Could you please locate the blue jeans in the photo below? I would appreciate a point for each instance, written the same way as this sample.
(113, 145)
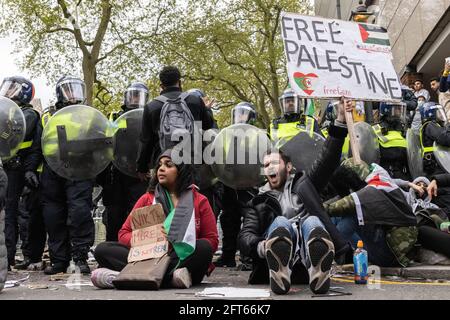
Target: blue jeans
(346, 229)
(374, 239)
(306, 226)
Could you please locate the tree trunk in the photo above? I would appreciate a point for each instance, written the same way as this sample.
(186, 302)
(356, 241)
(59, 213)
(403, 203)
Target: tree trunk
(89, 77)
(272, 63)
(261, 105)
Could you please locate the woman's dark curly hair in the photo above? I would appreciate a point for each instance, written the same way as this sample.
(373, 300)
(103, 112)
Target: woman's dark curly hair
(185, 178)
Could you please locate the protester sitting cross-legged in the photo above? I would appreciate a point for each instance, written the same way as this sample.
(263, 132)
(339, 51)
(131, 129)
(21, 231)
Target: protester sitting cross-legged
(172, 188)
(285, 229)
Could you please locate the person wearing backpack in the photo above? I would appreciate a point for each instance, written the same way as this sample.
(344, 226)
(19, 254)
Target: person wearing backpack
(180, 111)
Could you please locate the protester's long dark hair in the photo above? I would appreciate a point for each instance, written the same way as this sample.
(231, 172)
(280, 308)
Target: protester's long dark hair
(185, 178)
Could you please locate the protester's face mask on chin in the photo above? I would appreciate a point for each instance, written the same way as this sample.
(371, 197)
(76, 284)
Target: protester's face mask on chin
(275, 171)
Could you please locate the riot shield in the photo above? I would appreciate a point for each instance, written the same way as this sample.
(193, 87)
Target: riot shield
(12, 128)
(238, 156)
(126, 141)
(77, 142)
(303, 150)
(369, 148)
(205, 176)
(442, 155)
(414, 152)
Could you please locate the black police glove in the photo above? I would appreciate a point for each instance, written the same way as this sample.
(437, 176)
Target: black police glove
(31, 179)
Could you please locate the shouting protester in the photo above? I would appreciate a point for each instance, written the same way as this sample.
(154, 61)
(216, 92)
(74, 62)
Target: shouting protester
(285, 229)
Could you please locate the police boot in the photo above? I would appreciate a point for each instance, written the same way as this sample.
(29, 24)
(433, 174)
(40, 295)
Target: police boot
(80, 260)
(24, 264)
(55, 268)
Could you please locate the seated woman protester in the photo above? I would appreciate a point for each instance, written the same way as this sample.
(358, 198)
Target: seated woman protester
(171, 187)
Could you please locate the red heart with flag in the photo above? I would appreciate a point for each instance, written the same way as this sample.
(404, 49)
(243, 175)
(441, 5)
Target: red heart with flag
(304, 81)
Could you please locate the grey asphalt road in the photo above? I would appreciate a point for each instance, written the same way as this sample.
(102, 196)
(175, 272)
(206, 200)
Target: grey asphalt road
(76, 287)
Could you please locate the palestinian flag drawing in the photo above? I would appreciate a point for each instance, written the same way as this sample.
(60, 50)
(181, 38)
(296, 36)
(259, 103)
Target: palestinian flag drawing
(372, 34)
(180, 224)
(305, 81)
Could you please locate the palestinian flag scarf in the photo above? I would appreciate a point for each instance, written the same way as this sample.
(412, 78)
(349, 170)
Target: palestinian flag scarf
(180, 221)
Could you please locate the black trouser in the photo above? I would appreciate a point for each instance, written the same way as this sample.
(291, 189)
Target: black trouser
(230, 219)
(435, 240)
(16, 182)
(67, 214)
(114, 256)
(126, 195)
(30, 208)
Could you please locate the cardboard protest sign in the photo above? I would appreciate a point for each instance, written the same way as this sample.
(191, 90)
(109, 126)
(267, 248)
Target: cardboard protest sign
(147, 239)
(334, 58)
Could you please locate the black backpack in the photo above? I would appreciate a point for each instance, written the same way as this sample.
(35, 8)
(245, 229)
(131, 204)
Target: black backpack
(176, 118)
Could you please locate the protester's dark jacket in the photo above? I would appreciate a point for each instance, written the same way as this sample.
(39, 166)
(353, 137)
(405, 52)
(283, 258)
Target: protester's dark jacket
(443, 180)
(150, 148)
(31, 120)
(261, 211)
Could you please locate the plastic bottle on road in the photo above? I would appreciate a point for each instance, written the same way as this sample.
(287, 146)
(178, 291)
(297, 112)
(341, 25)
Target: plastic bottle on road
(360, 262)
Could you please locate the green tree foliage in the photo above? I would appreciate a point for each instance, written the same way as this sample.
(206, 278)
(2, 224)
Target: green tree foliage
(232, 49)
(105, 41)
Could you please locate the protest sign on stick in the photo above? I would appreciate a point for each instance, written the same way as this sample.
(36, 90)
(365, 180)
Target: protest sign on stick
(329, 59)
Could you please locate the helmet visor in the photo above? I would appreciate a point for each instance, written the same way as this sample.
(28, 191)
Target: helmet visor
(290, 104)
(10, 89)
(136, 98)
(398, 112)
(242, 115)
(73, 92)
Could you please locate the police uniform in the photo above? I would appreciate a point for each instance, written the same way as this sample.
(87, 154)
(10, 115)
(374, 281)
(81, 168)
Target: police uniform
(393, 152)
(15, 170)
(431, 132)
(67, 208)
(119, 193)
(288, 126)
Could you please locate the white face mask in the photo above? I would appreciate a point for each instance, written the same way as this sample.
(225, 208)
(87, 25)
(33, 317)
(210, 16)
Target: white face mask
(420, 103)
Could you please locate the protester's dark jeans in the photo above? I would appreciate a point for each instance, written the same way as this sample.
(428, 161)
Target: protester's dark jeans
(346, 228)
(114, 256)
(374, 239)
(435, 240)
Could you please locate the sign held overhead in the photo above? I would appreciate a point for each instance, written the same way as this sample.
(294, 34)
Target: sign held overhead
(334, 58)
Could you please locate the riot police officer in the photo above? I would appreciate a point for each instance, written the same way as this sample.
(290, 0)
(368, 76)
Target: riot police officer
(120, 191)
(435, 128)
(232, 200)
(21, 91)
(66, 204)
(391, 132)
(293, 119)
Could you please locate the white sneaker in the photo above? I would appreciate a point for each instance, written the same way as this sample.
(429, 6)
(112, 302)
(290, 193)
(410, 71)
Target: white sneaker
(321, 254)
(181, 279)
